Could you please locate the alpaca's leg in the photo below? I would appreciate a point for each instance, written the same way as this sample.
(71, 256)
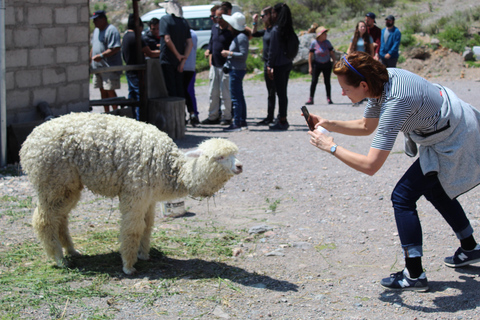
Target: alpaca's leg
(131, 231)
(50, 220)
(64, 232)
(46, 228)
(143, 252)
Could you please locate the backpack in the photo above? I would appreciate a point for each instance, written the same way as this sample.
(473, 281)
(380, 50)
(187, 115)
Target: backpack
(292, 45)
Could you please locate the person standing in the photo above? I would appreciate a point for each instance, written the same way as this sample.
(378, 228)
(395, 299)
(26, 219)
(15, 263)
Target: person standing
(238, 54)
(129, 55)
(436, 119)
(152, 36)
(105, 52)
(189, 82)
(374, 31)
(219, 81)
(320, 61)
(390, 43)
(361, 40)
(267, 19)
(175, 46)
(278, 64)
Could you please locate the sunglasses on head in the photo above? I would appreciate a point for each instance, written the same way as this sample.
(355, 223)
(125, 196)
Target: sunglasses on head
(218, 17)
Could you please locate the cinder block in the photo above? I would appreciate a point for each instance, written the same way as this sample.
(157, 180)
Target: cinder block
(28, 78)
(16, 58)
(69, 93)
(67, 15)
(76, 34)
(26, 38)
(53, 36)
(67, 54)
(47, 94)
(17, 99)
(40, 15)
(42, 57)
(75, 73)
(9, 80)
(53, 75)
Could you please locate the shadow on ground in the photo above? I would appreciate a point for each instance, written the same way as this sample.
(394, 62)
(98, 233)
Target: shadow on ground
(161, 267)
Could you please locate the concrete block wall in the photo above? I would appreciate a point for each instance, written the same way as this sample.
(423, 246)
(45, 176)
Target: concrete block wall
(47, 57)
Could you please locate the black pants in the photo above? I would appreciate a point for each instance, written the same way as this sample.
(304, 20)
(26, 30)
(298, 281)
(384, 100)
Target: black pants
(173, 81)
(280, 79)
(271, 95)
(187, 77)
(318, 68)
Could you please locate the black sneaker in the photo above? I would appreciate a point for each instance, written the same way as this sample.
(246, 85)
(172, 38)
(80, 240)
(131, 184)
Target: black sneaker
(463, 258)
(233, 128)
(264, 122)
(194, 120)
(279, 126)
(402, 281)
(225, 122)
(208, 121)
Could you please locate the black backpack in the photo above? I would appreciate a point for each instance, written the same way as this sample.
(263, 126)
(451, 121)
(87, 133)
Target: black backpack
(292, 44)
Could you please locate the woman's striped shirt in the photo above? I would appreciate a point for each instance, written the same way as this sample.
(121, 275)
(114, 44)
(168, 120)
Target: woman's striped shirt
(408, 103)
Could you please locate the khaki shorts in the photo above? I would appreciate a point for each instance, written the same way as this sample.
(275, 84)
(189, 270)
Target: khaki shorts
(106, 81)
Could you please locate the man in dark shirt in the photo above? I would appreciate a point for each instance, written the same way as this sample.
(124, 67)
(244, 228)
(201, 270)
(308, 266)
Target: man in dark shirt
(219, 81)
(152, 37)
(175, 46)
(374, 31)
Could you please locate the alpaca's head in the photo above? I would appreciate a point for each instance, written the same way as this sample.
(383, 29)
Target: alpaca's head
(210, 166)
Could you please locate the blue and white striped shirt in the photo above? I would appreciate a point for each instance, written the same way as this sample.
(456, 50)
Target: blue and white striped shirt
(408, 103)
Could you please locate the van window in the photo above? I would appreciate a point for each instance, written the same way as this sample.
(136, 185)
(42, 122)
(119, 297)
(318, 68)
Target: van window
(200, 23)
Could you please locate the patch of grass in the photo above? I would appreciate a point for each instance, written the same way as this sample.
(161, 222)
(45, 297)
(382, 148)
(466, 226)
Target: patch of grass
(272, 204)
(15, 207)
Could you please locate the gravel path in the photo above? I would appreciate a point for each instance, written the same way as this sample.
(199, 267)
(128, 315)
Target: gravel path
(333, 232)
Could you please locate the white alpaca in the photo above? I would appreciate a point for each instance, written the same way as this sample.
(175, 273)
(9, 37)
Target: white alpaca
(116, 156)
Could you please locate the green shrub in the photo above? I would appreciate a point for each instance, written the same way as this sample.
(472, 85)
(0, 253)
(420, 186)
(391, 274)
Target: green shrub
(454, 38)
(407, 40)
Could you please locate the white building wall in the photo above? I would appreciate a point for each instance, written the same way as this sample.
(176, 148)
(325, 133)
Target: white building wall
(47, 47)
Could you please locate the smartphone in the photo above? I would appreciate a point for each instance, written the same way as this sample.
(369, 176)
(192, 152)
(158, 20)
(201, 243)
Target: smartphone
(309, 120)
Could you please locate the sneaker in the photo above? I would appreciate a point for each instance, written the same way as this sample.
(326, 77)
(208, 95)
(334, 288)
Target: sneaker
(225, 122)
(233, 128)
(264, 122)
(244, 125)
(280, 126)
(208, 121)
(310, 101)
(402, 281)
(463, 257)
(329, 101)
(194, 120)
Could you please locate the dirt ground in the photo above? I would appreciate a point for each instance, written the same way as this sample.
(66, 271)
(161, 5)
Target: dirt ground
(332, 238)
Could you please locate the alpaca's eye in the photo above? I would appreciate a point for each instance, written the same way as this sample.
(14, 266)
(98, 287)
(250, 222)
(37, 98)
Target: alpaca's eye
(220, 158)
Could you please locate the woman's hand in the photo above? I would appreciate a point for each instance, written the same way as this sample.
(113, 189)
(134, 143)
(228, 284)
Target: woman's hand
(319, 121)
(270, 73)
(225, 53)
(320, 140)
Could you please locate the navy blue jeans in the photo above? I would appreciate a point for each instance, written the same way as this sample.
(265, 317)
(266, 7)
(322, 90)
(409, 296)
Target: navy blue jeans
(134, 91)
(239, 105)
(408, 190)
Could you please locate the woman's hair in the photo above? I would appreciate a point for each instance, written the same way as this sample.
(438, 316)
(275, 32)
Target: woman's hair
(268, 10)
(284, 19)
(360, 66)
(365, 37)
(131, 22)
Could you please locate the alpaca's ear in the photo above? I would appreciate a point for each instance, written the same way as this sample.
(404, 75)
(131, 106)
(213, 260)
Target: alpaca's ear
(194, 154)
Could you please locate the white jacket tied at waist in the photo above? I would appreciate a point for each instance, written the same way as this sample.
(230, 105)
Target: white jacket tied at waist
(454, 151)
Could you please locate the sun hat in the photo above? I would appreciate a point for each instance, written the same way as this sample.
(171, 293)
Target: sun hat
(371, 15)
(236, 20)
(172, 7)
(390, 17)
(320, 30)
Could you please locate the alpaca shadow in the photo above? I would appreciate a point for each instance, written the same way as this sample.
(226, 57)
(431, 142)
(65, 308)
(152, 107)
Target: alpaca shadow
(466, 299)
(162, 267)
(190, 141)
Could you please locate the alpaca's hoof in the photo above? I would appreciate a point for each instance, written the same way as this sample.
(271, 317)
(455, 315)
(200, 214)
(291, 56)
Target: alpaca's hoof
(74, 253)
(129, 271)
(143, 256)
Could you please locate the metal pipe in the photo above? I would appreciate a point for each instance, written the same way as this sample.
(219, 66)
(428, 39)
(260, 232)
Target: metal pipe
(3, 91)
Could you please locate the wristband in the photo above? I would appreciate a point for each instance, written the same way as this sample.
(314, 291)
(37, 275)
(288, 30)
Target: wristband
(102, 56)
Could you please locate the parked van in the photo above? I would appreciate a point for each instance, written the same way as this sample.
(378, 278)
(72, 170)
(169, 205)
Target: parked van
(198, 18)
